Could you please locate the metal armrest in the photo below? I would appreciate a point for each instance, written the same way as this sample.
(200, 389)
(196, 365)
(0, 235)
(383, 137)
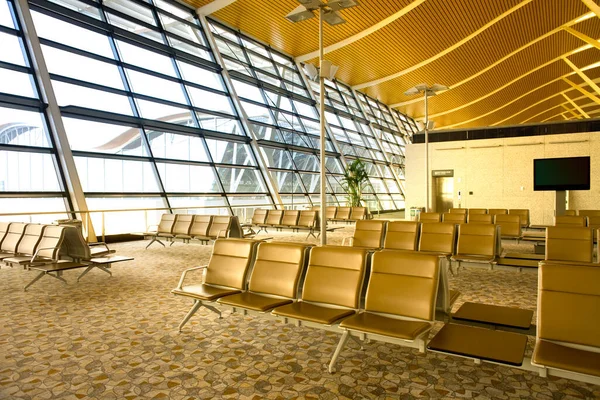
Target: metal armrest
(37, 252)
(99, 244)
(226, 233)
(351, 240)
(148, 230)
(180, 284)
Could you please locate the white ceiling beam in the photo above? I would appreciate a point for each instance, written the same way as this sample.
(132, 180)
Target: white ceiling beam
(506, 57)
(362, 34)
(575, 105)
(443, 52)
(591, 4)
(213, 6)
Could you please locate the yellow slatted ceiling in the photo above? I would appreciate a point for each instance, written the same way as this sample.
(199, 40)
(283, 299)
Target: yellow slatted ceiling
(428, 30)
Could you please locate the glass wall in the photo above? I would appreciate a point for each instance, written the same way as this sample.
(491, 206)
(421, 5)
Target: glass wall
(30, 177)
(145, 108)
(282, 117)
(151, 123)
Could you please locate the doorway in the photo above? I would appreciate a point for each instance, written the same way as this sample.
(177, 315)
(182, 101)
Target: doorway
(444, 193)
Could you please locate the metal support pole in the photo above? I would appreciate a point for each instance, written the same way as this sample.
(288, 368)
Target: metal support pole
(322, 132)
(426, 154)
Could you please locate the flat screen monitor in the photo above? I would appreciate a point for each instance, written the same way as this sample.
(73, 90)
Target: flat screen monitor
(571, 173)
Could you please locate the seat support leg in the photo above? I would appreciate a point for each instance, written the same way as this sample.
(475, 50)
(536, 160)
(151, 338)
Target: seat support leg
(338, 350)
(195, 307)
(37, 278)
(213, 309)
(357, 341)
(155, 239)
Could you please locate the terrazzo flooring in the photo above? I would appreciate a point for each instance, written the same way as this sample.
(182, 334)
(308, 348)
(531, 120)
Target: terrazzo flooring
(116, 338)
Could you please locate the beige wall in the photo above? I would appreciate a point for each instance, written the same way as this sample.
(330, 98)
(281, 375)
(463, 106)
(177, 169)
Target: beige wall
(499, 172)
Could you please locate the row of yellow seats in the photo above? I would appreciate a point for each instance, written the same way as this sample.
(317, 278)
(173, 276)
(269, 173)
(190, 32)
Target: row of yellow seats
(400, 296)
(583, 213)
(459, 216)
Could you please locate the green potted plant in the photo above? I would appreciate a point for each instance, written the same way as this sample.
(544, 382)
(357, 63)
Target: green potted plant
(354, 181)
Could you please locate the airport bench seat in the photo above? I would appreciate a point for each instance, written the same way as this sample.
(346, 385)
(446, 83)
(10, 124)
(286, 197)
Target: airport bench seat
(254, 301)
(386, 326)
(204, 292)
(554, 355)
(313, 313)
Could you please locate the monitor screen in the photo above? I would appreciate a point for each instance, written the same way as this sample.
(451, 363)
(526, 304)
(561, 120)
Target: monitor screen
(572, 173)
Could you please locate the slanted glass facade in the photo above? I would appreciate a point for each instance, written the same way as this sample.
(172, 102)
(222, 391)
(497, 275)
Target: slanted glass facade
(150, 121)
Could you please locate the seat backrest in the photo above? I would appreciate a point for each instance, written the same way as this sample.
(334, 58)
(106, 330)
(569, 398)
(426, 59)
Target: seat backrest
(13, 237)
(589, 213)
(456, 218)
(307, 218)
(570, 212)
(401, 235)
(523, 214)
(335, 275)
(497, 211)
(274, 217)
(476, 239)
(330, 212)
(594, 224)
(477, 211)
(569, 244)
(429, 217)
(259, 216)
(31, 238)
(343, 213)
(510, 225)
(403, 284)
(458, 211)
(74, 244)
(369, 233)
(290, 217)
(439, 237)
(277, 269)
(201, 225)
(167, 221)
(569, 303)
(479, 218)
(3, 230)
(219, 226)
(229, 262)
(183, 224)
(358, 213)
(52, 238)
(570, 221)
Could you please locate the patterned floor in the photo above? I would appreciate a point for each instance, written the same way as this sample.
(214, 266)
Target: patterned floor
(116, 338)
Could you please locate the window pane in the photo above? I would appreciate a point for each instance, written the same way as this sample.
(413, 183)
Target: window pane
(219, 124)
(277, 158)
(27, 204)
(21, 171)
(18, 83)
(118, 176)
(188, 178)
(104, 138)
(287, 182)
(11, 48)
(71, 35)
(241, 180)
(132, 9)
(156, 87)
(201, 76)
(210, 101)
(145, 58)
(127, 221)
(23, 128)
(162, 112)
(178, 147)
(72, 95)
(83, 68)
(5, 15)
(229, 152)
(199, 201)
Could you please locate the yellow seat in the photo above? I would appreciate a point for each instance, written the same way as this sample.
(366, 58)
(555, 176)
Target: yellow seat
(199, 228)
(428, 217)
(569, 244)
(455, 218)
(458, 211)
(274, 279)
(163, 229)
(589, 213)
(568, 333)
(358, 213)
(400, 300)
(273, 219)
(438, 238)
(401, 235)
(523, 215)
(342, 214)
(510, 225)
(289, 219)
(368, 234)
(497, 211)
(331, 288)
(570, 221)
(330, 213)
(8, 247)
(570, 212)
(479, 218)
(476, 243)
(477, 211)
(225, 274)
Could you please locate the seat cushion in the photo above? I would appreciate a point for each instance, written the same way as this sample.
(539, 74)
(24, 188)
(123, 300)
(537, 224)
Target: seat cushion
(17, 260)
(204, 292)
(310, 312)
(472, 258)
(380, 325)
(554, 355)
(253, 301)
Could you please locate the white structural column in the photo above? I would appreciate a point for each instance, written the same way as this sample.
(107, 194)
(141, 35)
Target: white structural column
(426, 153)
(213, 7)
(57, 128)
(262, 164)
(322, 132)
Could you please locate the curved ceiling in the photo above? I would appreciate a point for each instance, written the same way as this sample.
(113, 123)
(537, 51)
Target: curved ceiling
(506, 62)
